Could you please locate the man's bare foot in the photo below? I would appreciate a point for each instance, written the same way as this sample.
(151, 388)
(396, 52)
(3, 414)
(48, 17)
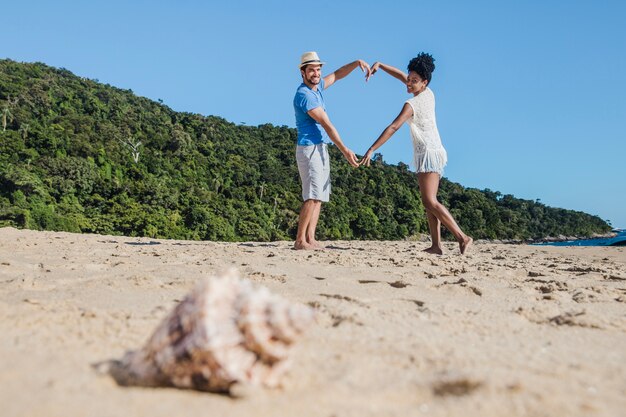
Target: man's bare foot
(435, 250)
(467, 242)
(316, 244)
(303, 245)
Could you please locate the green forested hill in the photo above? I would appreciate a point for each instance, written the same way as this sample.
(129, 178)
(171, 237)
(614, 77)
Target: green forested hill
(80, 156)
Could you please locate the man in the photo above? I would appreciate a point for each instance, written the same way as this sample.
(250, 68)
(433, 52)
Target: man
(314, 128)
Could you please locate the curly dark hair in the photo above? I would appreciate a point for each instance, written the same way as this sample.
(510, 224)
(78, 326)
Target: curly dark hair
(423, 64)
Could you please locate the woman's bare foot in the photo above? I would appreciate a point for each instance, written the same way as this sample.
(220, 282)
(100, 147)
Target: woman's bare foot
(435, 250)
(465, 244)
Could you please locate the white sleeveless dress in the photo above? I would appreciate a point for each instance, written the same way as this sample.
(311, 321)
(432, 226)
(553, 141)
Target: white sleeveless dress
(428, 152)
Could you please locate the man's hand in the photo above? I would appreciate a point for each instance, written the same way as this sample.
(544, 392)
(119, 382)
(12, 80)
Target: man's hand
(365, 68)
(351, 158)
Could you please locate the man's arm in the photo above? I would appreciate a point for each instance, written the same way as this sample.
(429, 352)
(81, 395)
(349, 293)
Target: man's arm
(393, 71)
(342, 72)
(319, 115)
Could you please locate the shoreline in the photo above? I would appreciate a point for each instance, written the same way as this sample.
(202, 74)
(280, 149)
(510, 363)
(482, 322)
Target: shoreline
(549, 239)
(423, 238)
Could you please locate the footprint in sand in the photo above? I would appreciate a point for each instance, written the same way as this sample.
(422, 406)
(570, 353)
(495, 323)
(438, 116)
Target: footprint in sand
(577, 318)
(398, 284)
(583, 296)
(417, 302)
(463, 283)
(548, 285)
(572, 318)
(395, 284)
(455, 387)
(345, 298)
(614, 278)
(262, 277)
(333, 319)
(581, 270)
(421, 305)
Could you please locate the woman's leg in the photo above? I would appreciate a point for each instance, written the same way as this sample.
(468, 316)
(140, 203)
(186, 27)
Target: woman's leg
(429, 185)
(434, 226)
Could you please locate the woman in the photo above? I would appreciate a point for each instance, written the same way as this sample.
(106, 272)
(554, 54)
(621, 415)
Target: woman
(429, 155)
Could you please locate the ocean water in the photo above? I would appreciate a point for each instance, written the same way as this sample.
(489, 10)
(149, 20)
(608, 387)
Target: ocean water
(619, 240)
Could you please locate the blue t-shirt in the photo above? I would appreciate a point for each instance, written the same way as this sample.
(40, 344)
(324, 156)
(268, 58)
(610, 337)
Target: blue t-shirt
(309, 131)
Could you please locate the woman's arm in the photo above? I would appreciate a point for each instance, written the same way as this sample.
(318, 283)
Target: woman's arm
(405, 114)
(393, 71)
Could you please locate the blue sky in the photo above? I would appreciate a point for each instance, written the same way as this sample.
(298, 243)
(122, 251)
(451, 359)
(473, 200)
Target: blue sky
(531, 96)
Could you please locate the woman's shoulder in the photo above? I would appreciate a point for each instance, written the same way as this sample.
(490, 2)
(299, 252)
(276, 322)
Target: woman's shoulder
(426, 96)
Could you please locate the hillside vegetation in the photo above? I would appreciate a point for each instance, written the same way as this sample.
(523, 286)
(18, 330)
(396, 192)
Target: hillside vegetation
(80, 156)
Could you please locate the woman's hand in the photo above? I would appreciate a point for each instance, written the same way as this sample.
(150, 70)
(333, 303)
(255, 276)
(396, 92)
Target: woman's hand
(367, 158)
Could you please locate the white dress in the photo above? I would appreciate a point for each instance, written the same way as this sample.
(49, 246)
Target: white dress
(428, 152)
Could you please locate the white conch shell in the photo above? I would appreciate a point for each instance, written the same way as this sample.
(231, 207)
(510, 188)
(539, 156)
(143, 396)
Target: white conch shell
(227, 330)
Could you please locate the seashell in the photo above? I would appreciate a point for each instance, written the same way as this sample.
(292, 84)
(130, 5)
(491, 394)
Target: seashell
(225, 331)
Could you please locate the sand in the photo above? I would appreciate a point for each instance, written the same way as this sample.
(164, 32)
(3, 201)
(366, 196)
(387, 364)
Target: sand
(507, 330)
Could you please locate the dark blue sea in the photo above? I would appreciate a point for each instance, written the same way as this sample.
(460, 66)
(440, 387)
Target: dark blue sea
(619, 240)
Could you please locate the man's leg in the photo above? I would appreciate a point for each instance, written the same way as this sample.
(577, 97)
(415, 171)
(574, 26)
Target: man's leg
(306, 215)
(322, 192)
(310, 231)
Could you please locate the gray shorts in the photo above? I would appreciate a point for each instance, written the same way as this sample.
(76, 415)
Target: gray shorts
(314, 167)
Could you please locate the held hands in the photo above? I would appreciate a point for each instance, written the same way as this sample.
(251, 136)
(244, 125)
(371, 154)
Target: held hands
(372, 71)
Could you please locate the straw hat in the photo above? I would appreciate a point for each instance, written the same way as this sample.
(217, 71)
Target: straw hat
(310, 58)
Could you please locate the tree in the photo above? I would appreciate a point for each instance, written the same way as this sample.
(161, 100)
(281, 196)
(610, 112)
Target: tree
(24, 130)
(6, 116)
(134, 148)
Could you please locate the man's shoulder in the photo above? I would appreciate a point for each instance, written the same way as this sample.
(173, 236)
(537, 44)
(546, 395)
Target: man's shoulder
(304, 96)
(302, 89)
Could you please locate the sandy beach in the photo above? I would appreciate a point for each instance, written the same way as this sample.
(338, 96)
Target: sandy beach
(507, 330)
